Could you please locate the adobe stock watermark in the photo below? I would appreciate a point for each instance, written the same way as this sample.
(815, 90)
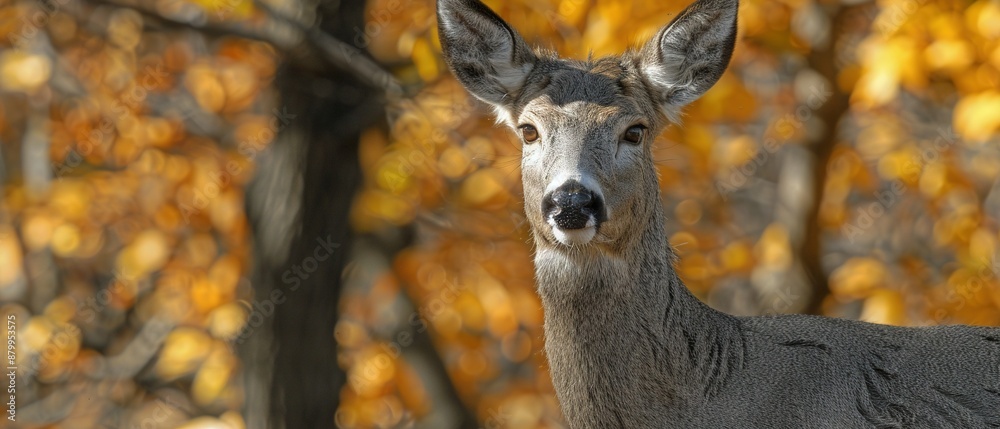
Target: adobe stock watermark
(418, 323)
(63, 339)
(380, 19)
(411, 121)
(885, 198)
(784, 300)
(959, 298)
(34, 22)
(262, 309)
(101, 137)
(248, 149)
(12, 350)
(784, 128)
(93, 305)
(68, 337)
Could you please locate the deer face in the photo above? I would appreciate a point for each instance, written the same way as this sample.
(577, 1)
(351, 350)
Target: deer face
(586, 162)
(587, 127)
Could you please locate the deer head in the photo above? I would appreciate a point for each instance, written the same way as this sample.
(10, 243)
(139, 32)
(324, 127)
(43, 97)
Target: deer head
(587, 126)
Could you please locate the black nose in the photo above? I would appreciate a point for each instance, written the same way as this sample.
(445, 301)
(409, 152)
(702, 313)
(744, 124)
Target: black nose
(572, 205)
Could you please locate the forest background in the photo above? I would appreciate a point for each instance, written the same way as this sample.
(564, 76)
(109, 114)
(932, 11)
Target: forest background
(287, 213)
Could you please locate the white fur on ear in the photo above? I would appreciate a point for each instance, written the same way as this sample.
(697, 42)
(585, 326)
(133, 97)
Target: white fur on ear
(509, 75)
(690, 54)
(664, 78)
(487, 56)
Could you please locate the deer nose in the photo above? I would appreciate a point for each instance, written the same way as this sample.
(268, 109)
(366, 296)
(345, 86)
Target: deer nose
(573, 206)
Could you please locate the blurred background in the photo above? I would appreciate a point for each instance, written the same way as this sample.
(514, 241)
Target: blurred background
(287, 213)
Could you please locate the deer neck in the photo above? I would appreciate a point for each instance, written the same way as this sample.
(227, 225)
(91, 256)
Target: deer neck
(626, 341)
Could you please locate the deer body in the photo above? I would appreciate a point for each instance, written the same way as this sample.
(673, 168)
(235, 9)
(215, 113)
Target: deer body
(628, 345)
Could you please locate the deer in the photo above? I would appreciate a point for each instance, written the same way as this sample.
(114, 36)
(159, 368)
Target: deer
(628, 345)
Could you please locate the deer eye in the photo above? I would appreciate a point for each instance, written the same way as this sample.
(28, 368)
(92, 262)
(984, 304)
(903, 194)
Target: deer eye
(529, 133)
(634, 134)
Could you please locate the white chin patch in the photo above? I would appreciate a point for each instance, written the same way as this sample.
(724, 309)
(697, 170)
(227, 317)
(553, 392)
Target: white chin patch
(574, 237)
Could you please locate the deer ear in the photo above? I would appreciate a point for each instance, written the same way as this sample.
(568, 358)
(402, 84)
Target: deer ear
(487, 56)
(689, 55)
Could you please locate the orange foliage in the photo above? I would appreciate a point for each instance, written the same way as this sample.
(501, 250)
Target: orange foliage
(148, 204)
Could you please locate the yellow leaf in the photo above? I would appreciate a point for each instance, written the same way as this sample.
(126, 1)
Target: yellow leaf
(484, 187)
(453, 162)
(934, 179)
(233, 419)
(982, 248)
(425, 59)
(736, 152)
(226, 321)
(65, 239)
(10, 257)
(977, 117)
(240, 83)
(61, 309)
(983, 16)
(37, 231)
(125, 28)
(877, 87)
(205, 294)
(183, 351)
(227, 9)
(773, 250)
(737, 256)
(885, 307)
(857, 278)
(213, 376)
(203, 82)
(903, 164)
(20, 71)
(148, 252)
(949, 54)
(206, 423)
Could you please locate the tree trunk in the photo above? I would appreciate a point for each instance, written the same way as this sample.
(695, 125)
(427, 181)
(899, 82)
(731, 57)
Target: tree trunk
(300, 201)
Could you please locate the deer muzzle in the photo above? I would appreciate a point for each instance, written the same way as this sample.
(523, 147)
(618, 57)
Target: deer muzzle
(574, 211)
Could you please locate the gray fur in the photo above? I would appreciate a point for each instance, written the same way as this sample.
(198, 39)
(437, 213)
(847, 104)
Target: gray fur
(628, 345)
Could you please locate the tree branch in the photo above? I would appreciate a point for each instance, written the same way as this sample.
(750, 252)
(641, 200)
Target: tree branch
(340, 54)
(332, 51)
(822, 59)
